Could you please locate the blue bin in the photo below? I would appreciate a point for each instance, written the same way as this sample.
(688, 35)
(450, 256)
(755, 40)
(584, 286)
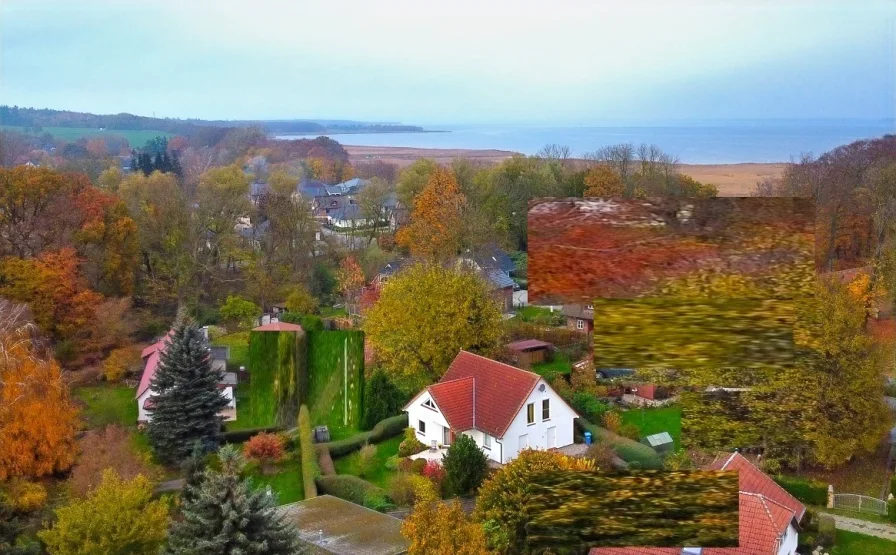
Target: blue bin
(587, 438)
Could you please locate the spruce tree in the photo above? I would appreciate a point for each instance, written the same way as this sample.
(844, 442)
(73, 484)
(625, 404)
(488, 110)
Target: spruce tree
(224, 516)
(187, 401)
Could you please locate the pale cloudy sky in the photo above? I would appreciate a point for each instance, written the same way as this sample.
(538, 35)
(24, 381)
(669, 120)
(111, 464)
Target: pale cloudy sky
(461, 61)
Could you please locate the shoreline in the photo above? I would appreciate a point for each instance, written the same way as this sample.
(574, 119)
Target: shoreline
(736, 179)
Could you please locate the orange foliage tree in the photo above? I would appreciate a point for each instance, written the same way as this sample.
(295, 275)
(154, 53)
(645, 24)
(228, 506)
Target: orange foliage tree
(38, 419)
(350, 277)
(109, 242)
(602, 181)
(436, 227)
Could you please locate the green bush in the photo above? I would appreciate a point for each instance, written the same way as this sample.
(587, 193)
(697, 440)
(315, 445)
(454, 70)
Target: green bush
(628, 450)
(588, 406)
(310, 470)
(893, 484)
(381, 399)
(350, 488)
(811, 492)
(417, 466)
(240, 436)
(378, 501)
(465, 466)
(827, 530)
(891, 514)
(309, 322)
(410, 445)
(384, 429)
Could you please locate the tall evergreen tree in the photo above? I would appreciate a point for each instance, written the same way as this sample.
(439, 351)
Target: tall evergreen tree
(187, 401)
(225, 516)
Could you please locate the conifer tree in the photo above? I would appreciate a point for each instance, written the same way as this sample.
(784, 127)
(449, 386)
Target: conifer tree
(187, 401)
(225, 516)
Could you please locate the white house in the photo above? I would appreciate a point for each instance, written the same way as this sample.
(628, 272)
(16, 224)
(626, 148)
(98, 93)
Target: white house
(152, 357)
(503, 408)
(768, 517)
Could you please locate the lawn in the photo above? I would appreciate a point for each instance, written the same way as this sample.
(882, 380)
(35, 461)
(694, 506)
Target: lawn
(332, 312)
(557, 366)
(655, 420)
(379, 474)
(239, 348)
(851, 543)
(244, 419)
(108, 404)
(136, 137)
(286, 481)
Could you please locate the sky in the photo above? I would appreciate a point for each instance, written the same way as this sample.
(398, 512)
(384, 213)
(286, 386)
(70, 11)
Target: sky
(560, 62)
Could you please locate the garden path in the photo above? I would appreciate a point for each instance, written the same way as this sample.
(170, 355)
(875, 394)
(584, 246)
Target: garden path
(878, 530)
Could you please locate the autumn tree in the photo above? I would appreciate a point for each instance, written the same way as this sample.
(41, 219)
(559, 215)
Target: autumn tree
(413, 179)
(351, 279)
(436, 227)
(373, 201)
(300, 300)
(602, 181)
(434, 527)
(122, 362)
(38, 419)
(118, 516)
(239, 312)
(468, 318)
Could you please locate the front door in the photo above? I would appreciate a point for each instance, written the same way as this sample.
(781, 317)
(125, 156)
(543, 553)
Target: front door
(552, 437)
(447, 436)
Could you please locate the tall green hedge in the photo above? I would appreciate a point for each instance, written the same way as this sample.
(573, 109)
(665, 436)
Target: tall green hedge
(310, 470)
(811, 492)
(327, 368)
(278, 375)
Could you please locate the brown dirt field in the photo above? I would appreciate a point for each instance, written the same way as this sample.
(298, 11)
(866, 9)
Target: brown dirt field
(731, 179)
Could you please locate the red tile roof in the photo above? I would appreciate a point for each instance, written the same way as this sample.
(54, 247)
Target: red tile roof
(500, 390)
(527, 344)
(455, 401)
(753, 480)
(151, 356)
(279, 326)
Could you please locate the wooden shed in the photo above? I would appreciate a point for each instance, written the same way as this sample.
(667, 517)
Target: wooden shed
(527, 352)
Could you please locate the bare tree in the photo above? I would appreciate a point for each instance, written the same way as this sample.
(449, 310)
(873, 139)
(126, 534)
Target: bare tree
(554, 152)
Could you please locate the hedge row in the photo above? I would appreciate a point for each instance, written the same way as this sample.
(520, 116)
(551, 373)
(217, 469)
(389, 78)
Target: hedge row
(354, 489)
(627, 449)
(811, 492)
(385, 429)
(240, 436)
(309, 459)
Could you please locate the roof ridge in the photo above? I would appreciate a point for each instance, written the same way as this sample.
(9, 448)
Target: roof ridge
(450, 381)
(533, 374)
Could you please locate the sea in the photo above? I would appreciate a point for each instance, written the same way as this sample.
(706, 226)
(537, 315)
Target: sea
(703, 142)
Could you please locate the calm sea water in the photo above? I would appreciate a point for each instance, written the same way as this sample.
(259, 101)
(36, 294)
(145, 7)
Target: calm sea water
(699, 143)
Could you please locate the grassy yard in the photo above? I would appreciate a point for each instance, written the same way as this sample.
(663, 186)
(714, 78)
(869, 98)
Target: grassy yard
(108, 404)
(285, 481)
(854, 514)
(557, 366)
(136, 137)
(379, 475)
(239, 348)
(331, 312)
(851, 543)
(655, 420)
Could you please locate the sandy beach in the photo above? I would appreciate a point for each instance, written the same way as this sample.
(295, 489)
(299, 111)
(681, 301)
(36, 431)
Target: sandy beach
(731, 179)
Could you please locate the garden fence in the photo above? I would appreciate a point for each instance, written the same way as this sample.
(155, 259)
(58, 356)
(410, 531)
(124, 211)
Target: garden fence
(860, 503)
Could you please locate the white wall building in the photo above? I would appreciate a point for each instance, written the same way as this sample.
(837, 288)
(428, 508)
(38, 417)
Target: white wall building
(504, 409)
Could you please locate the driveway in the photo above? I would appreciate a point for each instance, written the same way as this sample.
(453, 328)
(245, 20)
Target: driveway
(878, 530)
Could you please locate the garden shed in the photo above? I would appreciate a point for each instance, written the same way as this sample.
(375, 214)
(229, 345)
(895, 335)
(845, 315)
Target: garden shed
(527, 352)
(662, 442)
(328, 524)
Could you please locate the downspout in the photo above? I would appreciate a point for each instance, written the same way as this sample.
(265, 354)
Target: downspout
(501, 456)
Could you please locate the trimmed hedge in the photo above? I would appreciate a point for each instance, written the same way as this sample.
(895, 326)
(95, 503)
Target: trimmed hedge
(354, 489)
(811, 492)
(384, 429)
(309, 459)
(827, 530)
(327, 369)
(309, 322)
(278, 363)
(636, 454)
(240, 436)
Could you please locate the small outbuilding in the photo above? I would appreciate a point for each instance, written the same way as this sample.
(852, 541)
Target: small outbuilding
(527, 352)
(328, 524)
(662, 442)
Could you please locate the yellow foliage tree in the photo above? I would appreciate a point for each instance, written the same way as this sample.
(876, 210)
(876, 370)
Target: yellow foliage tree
(435, 527)
(120, 362)
(602, 181)
(436, 227)
(117, 517)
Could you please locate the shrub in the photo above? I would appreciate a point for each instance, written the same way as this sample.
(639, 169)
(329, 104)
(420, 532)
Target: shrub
(628, 450)
(811, 492)
(630, 431)
(602, 454)
(589, 406)
(121, 362)
(891, 514)
(465, 466)
(405, 464)
(392, 462)
(310, 469)
(239, 311)
(384, 429)
(377, 500)
(406, 489)
(265, 449)
(827, 530)
(410, 445)
(309, 322)
(23, 496)
(300, 300)
(365, 460)
(381, 399)
(612, 421)
(350, 488)
(418, 465)
(434, 471)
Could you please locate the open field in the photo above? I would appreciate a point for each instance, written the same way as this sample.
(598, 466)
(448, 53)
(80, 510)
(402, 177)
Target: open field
(731, 179)
(135, 137)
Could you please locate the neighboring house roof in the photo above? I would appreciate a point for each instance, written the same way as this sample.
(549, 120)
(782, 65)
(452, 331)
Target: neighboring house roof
(347, 212)
(491, 256)
(754, 480)
(279, 326)
(526, 344)
(498, 278)
(578, 311)
(393, 267)
(151, 356)
(497, 394)
(220, 352)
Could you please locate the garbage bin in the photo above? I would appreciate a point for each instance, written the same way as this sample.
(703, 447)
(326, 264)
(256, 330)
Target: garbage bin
(587, 438)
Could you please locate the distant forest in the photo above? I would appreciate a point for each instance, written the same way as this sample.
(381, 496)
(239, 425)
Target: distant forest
(37, 118)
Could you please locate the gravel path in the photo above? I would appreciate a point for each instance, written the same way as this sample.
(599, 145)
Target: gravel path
(878, 530)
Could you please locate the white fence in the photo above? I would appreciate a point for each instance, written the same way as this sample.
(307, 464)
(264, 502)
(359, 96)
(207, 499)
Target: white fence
(860, 503)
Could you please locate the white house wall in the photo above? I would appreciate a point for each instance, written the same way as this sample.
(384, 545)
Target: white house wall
(434, 420)
(141, 412)
(561, 418)
(791, 538)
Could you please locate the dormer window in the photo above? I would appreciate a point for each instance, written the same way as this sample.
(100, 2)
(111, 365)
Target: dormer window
(429, 404)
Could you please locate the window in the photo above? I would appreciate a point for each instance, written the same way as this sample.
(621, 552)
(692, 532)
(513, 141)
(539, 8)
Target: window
(546, 409)
(691, 550)
(429, 404)
(589, 307)
(486, 441)
(580, 324)
(421, 427)
(530, 413)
